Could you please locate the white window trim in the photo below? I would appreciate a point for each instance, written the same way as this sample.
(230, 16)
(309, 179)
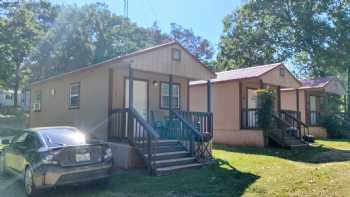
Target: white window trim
(72, 85)
(177, 96)
(36, 104)
(174, 51)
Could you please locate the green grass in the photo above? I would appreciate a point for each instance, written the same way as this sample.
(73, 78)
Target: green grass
(322, 170)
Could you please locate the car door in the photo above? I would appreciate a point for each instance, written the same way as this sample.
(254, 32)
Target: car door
(14, 155)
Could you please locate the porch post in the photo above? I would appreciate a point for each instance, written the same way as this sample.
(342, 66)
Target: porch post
(170, 93)
(131, 105)
(210, 118)
(110, 100)
(240, 106)
(279, 99)
(298, 103)
(298, 112)
(209, 96)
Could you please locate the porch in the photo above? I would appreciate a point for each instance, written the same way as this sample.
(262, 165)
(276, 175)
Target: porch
(288, 128)
(154, 121)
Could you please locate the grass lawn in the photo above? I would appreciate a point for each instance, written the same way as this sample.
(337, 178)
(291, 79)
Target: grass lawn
(322, 170)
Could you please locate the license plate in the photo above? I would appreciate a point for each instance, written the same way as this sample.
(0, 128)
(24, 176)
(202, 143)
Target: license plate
(82, 157)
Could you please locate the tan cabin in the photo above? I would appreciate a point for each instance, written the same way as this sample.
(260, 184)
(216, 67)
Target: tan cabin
(139, 102)
(310, 95)
(234, 102)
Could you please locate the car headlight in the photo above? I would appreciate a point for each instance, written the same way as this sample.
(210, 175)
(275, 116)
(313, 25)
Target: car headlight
(49, 159)
(108, 153)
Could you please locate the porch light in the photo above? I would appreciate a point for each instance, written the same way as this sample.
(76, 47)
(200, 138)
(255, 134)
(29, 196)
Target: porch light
(155, 83)
(53, 92)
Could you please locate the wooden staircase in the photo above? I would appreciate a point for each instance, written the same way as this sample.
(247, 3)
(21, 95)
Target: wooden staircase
(186, 145)
(288, 131)
(171, 156)
(286, 141)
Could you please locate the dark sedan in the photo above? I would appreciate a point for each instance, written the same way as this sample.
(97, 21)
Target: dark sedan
(52, 156)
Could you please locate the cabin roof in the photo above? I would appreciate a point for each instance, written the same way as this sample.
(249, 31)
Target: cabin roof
(242, 73)
(125, 56)
(317, 83)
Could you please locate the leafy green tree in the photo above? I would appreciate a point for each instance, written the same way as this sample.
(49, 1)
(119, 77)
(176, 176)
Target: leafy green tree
(20, 32)
(246, 40)
(85, 35)
(5, 63)
(340, 18)
(271, 31)
(198, 46)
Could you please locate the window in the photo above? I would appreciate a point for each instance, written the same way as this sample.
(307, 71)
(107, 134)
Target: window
(176, 54)
(74, 96)
(252, 99)
(282, 72)
(164, 96)
(36, 102)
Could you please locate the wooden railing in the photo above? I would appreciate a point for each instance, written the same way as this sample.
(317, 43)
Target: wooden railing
(196, 140)
(129, 124)
(118, 121)
(249, 119)
(293, 120)
(278, 130)
(201, 121)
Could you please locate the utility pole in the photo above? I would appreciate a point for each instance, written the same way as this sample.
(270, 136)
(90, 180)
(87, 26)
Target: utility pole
(126, 8)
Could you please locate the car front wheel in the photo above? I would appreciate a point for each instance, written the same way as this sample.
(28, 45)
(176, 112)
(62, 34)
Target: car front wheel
(29, 186)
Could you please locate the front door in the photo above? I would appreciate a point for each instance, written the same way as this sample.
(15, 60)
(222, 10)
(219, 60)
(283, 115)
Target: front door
(140, 97)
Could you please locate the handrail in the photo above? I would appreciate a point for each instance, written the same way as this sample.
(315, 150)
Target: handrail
(148, 142)
(144, 123)
(194, 130)
(120, 110)
(195, 140)
(299, 122)
(281, 120)
(286, 125)
(201, 121)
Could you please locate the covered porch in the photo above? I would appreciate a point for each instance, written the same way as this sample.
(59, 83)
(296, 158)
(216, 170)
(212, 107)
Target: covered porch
(248, 98)
(149, 110)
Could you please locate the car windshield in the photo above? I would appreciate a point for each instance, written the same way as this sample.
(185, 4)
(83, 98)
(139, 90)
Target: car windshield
(63, 137)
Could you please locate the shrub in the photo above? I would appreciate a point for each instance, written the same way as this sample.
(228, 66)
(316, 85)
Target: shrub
(330, 108)
(266, 100)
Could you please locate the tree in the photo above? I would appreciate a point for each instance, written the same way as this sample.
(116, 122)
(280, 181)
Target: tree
(21, 32)
(5, 63)
(268, 31)
(198, 46)
(246, 41)
(85, 35)
(340, 17)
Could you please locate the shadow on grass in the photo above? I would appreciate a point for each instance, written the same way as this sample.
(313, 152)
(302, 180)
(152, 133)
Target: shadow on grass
(316, 153)
(219, 179)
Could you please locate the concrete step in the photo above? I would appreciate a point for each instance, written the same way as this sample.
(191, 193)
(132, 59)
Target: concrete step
(169, 148)
(173, 169)
(297, 146)
(167, 142)
(169, 155)
(174, 162)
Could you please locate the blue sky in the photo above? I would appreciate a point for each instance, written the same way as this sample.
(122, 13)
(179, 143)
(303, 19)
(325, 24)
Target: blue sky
(204, 17)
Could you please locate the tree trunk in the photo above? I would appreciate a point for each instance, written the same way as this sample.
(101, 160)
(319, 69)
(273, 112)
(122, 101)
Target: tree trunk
(348, 95)
(17, 79)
